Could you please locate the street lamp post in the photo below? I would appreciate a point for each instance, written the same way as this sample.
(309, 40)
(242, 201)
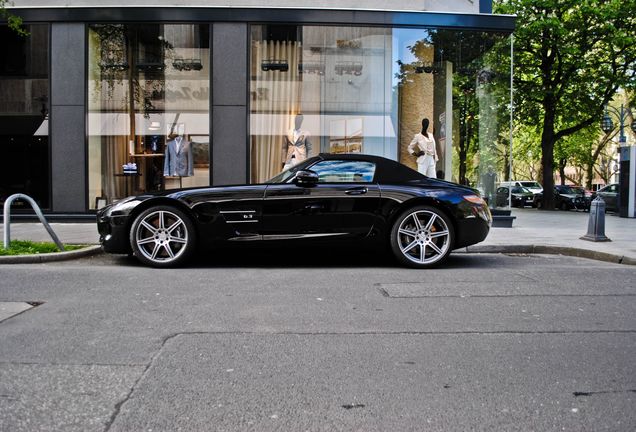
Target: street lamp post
(607, 125)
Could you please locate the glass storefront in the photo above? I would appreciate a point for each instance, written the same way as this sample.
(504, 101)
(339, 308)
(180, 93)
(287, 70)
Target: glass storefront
(373, 90)
(148, 109)
(24, 108)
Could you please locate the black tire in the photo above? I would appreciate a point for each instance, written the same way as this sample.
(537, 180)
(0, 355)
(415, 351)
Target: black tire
(162, 237)
(418, 229)
(564, 206)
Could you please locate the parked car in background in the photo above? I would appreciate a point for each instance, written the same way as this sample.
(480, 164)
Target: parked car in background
(520, 196)
(586, 194)
(610, 195)
(565, 198)
(531, 185)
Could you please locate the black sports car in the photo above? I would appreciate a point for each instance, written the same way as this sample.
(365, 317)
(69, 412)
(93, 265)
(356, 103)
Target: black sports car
(334, 198)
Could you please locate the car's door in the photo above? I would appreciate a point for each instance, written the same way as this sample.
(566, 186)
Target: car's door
(228, 212)
(343, 203)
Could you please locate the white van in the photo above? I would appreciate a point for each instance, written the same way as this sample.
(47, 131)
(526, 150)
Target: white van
(531, 185)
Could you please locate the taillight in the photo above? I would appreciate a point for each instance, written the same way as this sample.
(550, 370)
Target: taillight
(475, 199)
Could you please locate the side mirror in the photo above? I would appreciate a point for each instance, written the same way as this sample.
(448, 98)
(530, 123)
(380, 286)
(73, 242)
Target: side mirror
(306, 178)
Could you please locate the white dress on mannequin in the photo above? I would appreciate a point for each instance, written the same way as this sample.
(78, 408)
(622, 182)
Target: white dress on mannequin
(426, 161)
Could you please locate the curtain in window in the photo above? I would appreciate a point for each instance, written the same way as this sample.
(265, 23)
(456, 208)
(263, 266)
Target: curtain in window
(275, 101)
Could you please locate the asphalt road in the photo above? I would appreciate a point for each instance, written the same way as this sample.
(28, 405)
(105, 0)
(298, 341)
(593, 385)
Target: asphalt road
(320, 342)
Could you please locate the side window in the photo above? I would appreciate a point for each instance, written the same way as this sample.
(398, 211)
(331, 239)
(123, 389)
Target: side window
(613, 189)
(344, 171)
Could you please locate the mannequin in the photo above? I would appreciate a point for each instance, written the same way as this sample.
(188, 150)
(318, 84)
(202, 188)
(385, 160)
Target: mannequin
(423, 148)
(296, 145)
(178, 160)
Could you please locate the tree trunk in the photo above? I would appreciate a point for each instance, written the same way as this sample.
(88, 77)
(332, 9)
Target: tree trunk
(547, 158)
(562, 163)
(462, 166)
(589, 173)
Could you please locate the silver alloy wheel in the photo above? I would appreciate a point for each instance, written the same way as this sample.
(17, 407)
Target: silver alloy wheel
(423, 237)
(161, 236)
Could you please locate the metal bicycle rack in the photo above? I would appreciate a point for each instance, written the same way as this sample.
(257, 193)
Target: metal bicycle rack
(38, 212)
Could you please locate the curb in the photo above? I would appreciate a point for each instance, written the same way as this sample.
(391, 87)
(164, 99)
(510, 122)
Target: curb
(520, 249)
(554, 250)
(51, 257)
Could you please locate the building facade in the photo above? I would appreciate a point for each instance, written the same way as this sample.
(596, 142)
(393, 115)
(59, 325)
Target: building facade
(98, 103)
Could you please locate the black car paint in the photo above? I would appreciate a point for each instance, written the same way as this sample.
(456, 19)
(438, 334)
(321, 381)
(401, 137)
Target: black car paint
(287, 211)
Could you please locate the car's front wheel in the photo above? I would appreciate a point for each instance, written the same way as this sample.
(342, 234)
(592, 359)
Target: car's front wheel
(162, 236)
(422, 237)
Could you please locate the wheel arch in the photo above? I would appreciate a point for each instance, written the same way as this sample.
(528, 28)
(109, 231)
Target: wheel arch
(418, 201)
(158, 201)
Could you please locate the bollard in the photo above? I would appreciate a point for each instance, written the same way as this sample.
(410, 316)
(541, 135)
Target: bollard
(596, 222)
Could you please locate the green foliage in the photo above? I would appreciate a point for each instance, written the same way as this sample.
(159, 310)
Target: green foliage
(526, 153)
(25, 247)
(571, 56)
(14, 22)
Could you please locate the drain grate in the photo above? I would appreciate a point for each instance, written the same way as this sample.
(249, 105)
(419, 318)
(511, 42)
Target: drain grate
(11, 309)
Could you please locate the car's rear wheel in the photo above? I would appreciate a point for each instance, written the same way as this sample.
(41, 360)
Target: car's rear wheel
(162, 236)
(564, 206)
(422, 237)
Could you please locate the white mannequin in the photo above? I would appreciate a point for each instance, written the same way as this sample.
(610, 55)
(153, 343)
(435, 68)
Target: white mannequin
(423, 147)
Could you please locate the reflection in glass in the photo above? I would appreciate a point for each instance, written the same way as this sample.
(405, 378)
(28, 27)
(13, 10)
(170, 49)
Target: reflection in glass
(148, 109)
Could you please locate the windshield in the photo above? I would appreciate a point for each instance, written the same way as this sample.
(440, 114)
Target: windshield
(531, 184)
(567, 190)
(518, 189)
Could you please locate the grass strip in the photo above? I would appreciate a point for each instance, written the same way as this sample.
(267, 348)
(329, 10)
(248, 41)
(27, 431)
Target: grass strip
(26, 247)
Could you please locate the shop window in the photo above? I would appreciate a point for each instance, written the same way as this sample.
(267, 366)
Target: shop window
(148, 109)
(318, 89)
(24, 122)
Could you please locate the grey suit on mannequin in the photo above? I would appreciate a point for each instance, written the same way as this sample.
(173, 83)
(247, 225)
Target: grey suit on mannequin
(178, 161)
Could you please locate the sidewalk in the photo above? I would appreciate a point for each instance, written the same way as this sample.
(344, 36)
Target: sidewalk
(536, 231)
(533, 231)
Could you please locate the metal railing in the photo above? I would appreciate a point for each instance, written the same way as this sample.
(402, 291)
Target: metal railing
(38, 212)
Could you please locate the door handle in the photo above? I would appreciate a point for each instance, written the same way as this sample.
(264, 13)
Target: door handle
(357, 191)
(314, 207)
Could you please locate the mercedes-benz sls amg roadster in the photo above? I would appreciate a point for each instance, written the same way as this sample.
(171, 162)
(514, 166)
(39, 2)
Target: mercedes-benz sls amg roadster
(332, 198)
